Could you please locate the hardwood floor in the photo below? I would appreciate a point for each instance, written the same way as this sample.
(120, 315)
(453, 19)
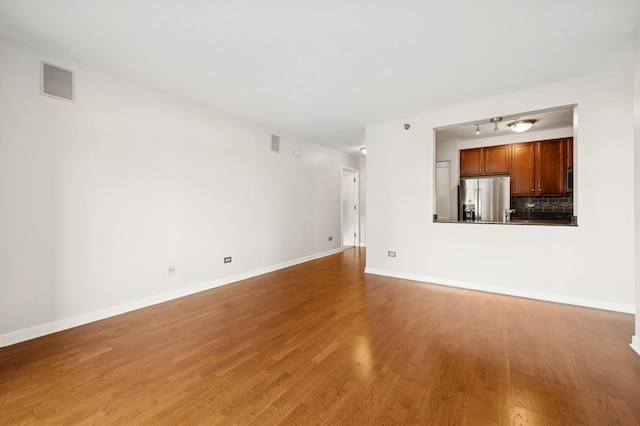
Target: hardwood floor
(323, 343)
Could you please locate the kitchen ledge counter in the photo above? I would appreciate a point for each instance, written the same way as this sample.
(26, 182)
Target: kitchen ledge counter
(516, 221)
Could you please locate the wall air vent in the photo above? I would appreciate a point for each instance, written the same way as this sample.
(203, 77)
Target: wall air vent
(57, 82)
(275, 143)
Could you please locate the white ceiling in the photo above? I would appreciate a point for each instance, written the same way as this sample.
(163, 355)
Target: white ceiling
(323, 70)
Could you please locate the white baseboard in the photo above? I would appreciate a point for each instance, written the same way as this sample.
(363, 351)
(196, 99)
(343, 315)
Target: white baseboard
(548, 297)
(635, 344)
(78, 320)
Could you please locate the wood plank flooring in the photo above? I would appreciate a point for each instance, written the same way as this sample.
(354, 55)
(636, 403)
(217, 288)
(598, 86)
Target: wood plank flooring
(323, 343)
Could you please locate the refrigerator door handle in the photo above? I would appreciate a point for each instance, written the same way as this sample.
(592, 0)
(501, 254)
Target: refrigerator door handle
(479, 213)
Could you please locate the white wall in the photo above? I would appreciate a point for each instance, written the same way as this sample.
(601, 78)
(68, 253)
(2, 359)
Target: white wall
(591, 264)
(100, 195)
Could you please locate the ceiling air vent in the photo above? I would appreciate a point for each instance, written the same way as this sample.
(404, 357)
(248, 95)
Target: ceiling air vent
(275, 143)
(57, 82)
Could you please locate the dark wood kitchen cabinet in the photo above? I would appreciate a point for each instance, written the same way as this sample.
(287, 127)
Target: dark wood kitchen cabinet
(523, 179)
(550, 167)
(496, 159)
(485, 161)
(471, 162)
(538, 168)
(569, 152)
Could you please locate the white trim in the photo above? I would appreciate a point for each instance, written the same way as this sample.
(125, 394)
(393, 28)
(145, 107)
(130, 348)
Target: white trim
(635, 344)
(100, 314)
(589, 303)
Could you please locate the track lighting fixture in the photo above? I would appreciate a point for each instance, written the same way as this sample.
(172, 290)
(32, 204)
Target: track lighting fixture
(495, 121)
(518, 125)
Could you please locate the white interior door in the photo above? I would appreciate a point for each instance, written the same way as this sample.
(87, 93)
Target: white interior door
(443, 190)
(350, 208)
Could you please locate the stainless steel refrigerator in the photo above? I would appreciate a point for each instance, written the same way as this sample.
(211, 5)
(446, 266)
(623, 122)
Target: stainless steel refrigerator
(484, 198)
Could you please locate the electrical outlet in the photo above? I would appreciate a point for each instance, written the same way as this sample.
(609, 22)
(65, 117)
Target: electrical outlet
(227, 259)
(330, 238)
(171, 270)
(391, 253)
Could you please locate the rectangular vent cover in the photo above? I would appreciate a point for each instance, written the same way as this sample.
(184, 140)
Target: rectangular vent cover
(275, 143)
(57, 82)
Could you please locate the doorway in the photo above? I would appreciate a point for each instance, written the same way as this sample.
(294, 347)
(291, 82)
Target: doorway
(443, 191)
(350, 208)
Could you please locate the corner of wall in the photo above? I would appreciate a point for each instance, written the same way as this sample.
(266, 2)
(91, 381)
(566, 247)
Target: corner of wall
(635, 344)
(636, 166)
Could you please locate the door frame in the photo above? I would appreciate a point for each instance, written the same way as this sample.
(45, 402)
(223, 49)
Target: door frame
(356, 174)
(439, 165)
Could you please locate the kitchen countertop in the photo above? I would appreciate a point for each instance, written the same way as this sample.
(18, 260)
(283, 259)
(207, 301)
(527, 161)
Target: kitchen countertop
(534, 221)
(518, 221)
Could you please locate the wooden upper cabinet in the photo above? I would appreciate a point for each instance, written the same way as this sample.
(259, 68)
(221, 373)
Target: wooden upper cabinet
(496, 159)
(538, 168)
(569, 152)
(485, 161)
(471, 162)
(550, 167)
(523, 170)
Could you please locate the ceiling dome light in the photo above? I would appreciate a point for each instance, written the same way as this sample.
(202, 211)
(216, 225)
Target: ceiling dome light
(520, 126)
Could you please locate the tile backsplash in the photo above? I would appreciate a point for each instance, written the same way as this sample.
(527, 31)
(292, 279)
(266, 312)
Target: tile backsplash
(543, 204)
